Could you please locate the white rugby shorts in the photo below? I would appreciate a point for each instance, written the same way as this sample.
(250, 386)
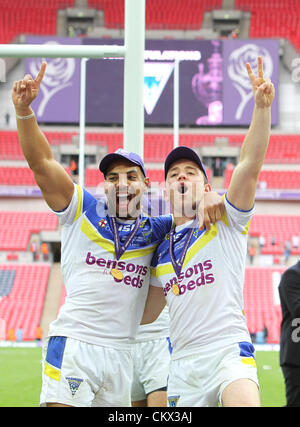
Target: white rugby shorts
(83, 375)
(151, 360)
(199, 380)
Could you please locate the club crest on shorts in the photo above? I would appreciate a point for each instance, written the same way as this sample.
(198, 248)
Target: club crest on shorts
(173, 400)
(74, 384)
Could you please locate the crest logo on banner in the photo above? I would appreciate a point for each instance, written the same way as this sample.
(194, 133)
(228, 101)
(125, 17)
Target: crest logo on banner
(238, 74)
(58, 76)
(156, 77)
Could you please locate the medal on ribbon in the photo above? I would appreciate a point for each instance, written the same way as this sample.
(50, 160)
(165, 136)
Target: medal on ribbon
(121, 248)
(178, 265)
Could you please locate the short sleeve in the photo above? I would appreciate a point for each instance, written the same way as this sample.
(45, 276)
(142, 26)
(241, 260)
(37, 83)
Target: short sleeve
(237, 218)
(80, 202)
(162, 225)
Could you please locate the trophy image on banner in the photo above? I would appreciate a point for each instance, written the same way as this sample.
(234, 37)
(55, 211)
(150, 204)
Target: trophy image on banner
(207, 88)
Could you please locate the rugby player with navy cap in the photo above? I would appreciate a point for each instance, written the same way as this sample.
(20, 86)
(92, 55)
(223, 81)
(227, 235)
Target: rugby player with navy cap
(200, 274)
(106, 251)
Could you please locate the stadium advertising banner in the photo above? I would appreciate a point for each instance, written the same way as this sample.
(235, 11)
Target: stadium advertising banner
(200, 83)
(59, 98)
(237, 90)
(214, 87)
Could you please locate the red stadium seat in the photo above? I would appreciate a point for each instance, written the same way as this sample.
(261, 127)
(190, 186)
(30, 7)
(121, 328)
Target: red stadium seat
(282, 149)
(281, 227)
(30, 17)
(17, 227)
(282, 22)
(160, 14)
(21, 175)
(261, 302)
(24, 305)
(272, 179)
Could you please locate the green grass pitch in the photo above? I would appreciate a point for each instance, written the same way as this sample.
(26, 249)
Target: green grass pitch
(20, 380)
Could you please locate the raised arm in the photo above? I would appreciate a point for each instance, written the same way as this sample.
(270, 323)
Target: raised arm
(54, 182)
(241, 191)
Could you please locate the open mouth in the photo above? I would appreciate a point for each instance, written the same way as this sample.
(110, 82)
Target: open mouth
(124, 198)
(125, 203)
(182, 188)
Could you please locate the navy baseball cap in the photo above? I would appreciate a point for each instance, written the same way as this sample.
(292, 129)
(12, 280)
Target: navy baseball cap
(183, 152)
(121, 154)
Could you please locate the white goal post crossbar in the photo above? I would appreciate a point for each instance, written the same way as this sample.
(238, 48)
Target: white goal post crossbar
(61, 51)
(133, 53)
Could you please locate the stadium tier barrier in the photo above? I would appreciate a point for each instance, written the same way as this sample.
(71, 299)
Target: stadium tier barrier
(283, 148)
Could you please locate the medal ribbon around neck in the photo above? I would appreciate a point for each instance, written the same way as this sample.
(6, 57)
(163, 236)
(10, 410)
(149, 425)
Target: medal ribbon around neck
(178, 265)
(120, 249)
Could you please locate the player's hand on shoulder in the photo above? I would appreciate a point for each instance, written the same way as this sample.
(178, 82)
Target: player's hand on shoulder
(213, 209)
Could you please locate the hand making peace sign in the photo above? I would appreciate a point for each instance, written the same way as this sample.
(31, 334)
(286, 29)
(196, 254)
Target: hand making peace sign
(263, 89)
